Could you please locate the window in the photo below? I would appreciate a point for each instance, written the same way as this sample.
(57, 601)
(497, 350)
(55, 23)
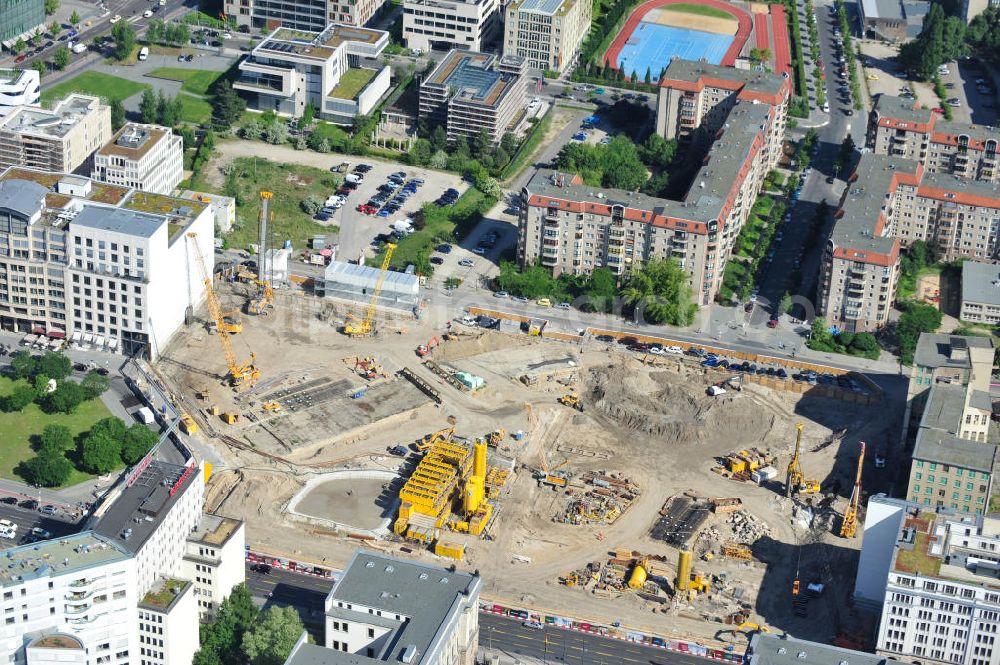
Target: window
(371, 632)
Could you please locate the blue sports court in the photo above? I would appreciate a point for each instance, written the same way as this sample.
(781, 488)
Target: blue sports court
(653, 45)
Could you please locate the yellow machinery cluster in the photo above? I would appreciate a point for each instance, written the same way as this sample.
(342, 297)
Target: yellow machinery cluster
(687, 581)
(450, 479)
(795, 480)
(745, 462)
(364, 327)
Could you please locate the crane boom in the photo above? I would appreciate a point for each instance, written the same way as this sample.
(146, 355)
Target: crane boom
(239, 374)
(849, 525)
(365, 326)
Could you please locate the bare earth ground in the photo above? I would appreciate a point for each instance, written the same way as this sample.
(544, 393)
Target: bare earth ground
(681, 19)
(653, 424)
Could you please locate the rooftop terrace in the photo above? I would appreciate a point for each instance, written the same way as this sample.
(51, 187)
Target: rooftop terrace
(164, 594)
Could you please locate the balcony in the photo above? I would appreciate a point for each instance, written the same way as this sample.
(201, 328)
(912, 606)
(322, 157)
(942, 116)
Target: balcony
(616, 233)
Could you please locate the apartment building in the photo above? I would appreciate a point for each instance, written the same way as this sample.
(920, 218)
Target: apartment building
(18, 87)
(769, 649)
(890, 201)
(470, 92)
(933, 575)
(214, 561)
(446, 24)
(292, 68)
(144, 157)
(980, 292)
(114, 266)
(308, 15)
(386, 609)
(21, 19)
(546, 33)
(570, 227)
(81, 587)
(59, 140)
(899, 127)
(168, 625)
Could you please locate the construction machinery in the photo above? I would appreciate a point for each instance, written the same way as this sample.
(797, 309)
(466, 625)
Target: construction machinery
(263, 299)
(368, 367)
(737, 551)
(424, 349)
(188, 425)
(552, 477)
(849, 525)
(271, 407)
(747, 628)
(496, 437)
(429, 440)
(795, 480)
(744, 462)
(572, 400)
(240, 374)
(686, 581)
(364, 327)
(230, 323)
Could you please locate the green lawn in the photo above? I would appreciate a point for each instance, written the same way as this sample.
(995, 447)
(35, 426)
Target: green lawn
(95, 83)
(18, 428)
(194, 109)
(290, 184)
(195, 81)
(352, 82)
(701, 10)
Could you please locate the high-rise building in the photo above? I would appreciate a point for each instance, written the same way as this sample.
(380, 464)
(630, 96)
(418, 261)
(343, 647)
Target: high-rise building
(546, 33)
(448, 24)
(214, 560)
(60, 140)
(21, 19)
(389, 610)
(144, 157)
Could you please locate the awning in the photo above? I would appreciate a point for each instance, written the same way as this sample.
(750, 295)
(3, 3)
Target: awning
(56, 333)
(38, 330)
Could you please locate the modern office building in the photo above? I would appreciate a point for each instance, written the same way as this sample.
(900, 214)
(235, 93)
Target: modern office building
(18, 87)
(546, 33)
(59, 140)
(470, 92)
(889, 202)
(21, 19)
(933, 575)
(573, 228)
(306, 15)
(389, 610)
(446, 24)
(144, 157)
(900, 127)
(980, 292)
(168, 623)
(214, 561)
(292, 68)
(111, 265)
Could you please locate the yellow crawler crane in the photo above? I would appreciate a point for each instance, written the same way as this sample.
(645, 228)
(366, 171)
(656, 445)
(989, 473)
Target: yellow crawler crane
(795, 480)
(849, 525)
(363, 328)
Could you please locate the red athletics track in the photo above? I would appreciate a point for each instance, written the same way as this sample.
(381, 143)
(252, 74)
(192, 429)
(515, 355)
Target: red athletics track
(739, 40)
(760, 30)
(779, 35)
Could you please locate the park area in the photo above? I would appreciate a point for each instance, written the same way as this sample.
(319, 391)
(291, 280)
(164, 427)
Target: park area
(94, 83)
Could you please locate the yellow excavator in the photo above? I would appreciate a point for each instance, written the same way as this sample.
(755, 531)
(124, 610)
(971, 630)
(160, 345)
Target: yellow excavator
(572, 400)
(849, 525)
(748, 626)
(429, 440)
(240, 374)
(363, 327)
(795, 480)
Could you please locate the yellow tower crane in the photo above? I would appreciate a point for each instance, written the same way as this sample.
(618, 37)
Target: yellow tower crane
(363, 327)
(239, 374)
(849, 525)
(795, 480)
(264, 298)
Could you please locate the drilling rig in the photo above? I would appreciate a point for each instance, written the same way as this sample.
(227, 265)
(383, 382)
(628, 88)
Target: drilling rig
(795, 480)
(263, 299)
(849, 525)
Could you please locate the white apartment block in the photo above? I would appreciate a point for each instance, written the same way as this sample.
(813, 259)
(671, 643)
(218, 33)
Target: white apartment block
(19, 87)
(385, 609)
(80, 587)
(144, 157)
(446, 24)
(60, 140)
(547, 33)
(308, 15)
(292, 68)
(87, 260)
(935, 576)
(168, 624)
(213, 560)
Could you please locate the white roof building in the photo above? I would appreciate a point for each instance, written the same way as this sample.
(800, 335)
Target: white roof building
(357, 283)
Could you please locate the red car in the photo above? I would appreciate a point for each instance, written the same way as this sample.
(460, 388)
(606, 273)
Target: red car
(21, 58)
(938, 110)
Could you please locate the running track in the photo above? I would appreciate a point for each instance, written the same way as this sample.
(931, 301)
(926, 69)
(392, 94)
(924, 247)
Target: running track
(760, 30)
(779, 35)
(728, 60)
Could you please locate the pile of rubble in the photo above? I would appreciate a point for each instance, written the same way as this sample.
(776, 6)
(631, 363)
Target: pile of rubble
(747, 528)
(608, 498)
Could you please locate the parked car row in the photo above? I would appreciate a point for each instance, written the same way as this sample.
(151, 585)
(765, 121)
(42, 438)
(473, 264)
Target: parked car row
(447, 198)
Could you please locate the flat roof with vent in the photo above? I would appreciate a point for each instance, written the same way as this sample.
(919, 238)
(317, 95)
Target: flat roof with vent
(61, 556)
(766, 649)
(980, 283)
(133, 141)
(57, 123)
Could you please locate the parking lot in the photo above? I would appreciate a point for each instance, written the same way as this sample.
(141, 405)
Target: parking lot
(358, 230)
(24, 513)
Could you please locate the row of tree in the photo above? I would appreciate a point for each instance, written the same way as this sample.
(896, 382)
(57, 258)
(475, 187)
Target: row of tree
(160, 109)
(167, 34)
(243, 634)
(33, 374)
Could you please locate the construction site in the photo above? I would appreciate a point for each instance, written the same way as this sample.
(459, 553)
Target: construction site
(576, 478)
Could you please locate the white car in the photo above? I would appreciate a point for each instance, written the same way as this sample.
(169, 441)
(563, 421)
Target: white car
(115, 19)
(147, 13)
(8, 529)
(563, 305)
(657, 350)
(467, 321)
(227, 35)
(467, 263)
(676, 350)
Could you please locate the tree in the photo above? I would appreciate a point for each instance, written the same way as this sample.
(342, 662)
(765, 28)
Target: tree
(276, 133)
(482, 144)
(41, 384)
(760, 55)
(917, 318)
(271, 638)
(23, 365)
(55, 28)
(311, 204)
(117, 114)
(228, 106)
(439, 138)
(124, 36)
(55, 439)
(56, 365)
(74, 18)
(148, 107)
(21, 396)
(51, 7)
(110, 426)
(65, 398)
(308, 113)
(659, 293)
(19, 45)
(94, 385)
(658, 151)
(648, 78)
(509, 142)
(785, 306)
(39, 66)
(46, 469)
(60, 58)
(100, 453)
(599, 290)
(162, 107)
(139, 439)
(439, 160)
(421, 152)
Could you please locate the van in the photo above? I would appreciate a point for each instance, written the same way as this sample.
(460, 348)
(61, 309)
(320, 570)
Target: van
(79, 47)
(354, 178)
(144, 53)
